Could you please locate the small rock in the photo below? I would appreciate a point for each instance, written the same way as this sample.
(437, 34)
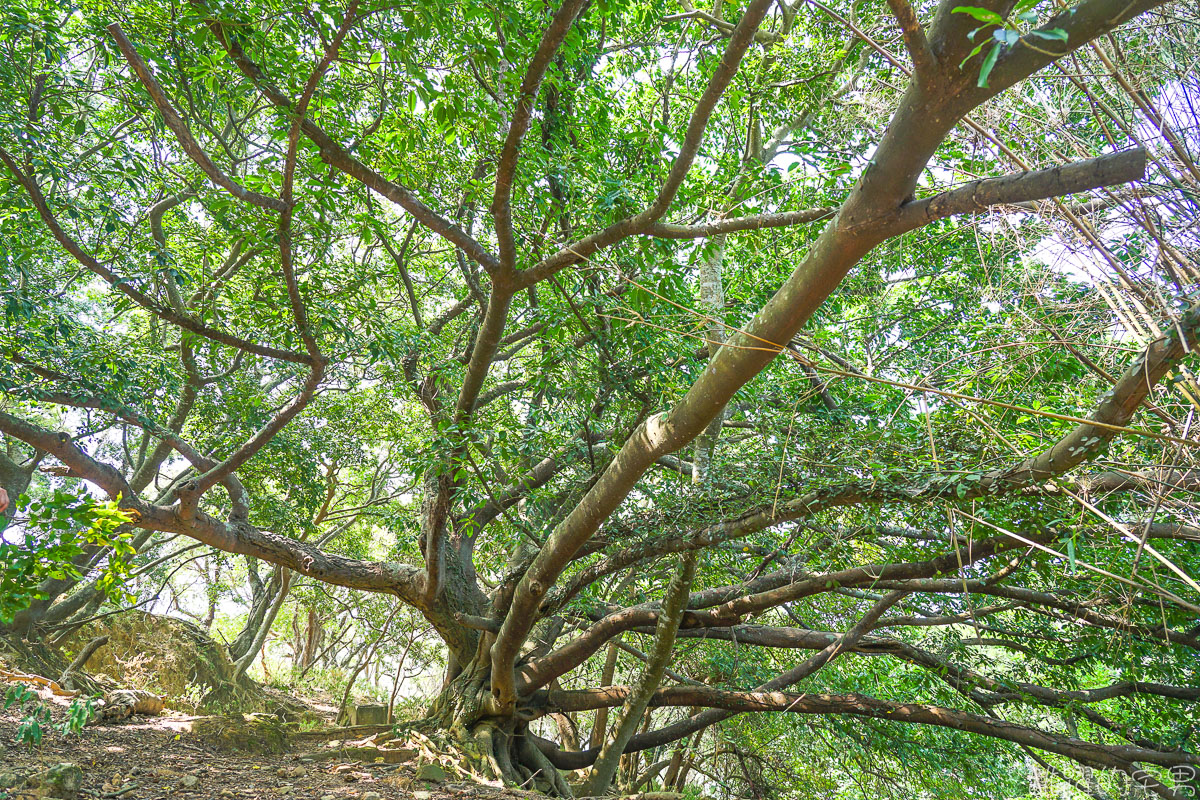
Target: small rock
(226, 793)
(61, 781)
(328, 797)
(292, 771)
(283, 790)
(367, 714)
(422, 795)
(371, 796)
(399, 755)
(189, 782)
(250, 733)
(8, 779)
(431, 772)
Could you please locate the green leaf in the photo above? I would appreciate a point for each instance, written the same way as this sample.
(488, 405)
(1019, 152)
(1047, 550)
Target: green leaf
(1006, 36)
(989, 61)
(1051, 34)
(981, 14)
(973, 53)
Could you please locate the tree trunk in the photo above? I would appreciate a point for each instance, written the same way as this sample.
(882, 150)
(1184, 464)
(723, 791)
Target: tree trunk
(462, 721)
(284, 577)
(600, 726)
(633, 709)
(675, 769)
(262, 598)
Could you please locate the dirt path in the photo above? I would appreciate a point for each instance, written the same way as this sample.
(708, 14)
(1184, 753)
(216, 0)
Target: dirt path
(153, 758)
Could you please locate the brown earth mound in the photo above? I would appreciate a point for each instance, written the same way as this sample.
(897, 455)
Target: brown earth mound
(165, 655)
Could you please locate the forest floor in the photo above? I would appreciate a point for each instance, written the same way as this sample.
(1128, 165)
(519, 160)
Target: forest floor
(154, 758)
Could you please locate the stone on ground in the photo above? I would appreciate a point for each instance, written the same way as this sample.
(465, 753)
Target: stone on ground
(249, 733)
(366, 714)
(431, 772)
(60, 781)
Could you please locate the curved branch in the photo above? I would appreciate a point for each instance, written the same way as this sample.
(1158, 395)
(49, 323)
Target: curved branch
(237, 536)
(125, 287)
(1104, 756)
(1073, 610)
(182, 133)
(963, 679)
(718, 607)
(338, 157)
(506, 167)
(581, 250)
(265, 434)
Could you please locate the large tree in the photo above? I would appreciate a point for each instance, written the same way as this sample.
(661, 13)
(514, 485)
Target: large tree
(755, 331)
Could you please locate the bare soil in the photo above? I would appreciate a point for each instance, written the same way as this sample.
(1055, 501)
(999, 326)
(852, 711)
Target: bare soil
(154, 758)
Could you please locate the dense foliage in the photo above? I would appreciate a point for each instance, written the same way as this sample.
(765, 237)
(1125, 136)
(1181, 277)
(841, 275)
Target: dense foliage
(457, 336)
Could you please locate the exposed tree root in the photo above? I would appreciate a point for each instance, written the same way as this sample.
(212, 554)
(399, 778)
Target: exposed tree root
(531, 755)
(35, 680)
(487, 751)
(124, 703)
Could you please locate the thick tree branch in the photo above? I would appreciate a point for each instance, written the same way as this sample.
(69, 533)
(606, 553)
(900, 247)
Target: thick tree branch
(739, 42)
(1073, 610)
(720, 606)
(1103, 756)
(61, 446)
(796, 674)
(182, 133)
(1023, 187)
(757, 222)
(337, 156)
(237, 537)
(963, 679)
(506, 166)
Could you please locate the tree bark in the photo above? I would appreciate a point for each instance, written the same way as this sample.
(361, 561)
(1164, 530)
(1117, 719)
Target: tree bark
(635, 706)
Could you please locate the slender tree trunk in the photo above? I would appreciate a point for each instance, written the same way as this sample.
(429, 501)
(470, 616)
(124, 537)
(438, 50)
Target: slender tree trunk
(68, 677)
(264, 628)
(712, 302)
(681, 751)
(399, 676)
(213, 592)
(633, 708)
(600, 726)
(341, 718)
(366, 659)
(688, 761)
(261, 595)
